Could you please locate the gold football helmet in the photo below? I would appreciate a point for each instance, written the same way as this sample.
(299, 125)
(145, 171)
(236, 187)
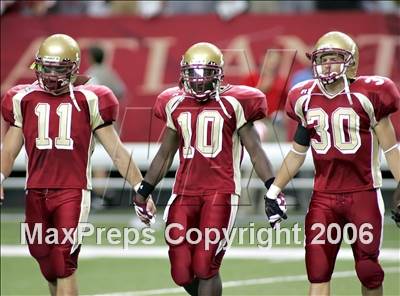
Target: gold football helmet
(201, 70)
(57, 63)
(335, 43)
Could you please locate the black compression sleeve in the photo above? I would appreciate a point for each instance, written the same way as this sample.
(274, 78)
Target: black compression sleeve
(302, 137)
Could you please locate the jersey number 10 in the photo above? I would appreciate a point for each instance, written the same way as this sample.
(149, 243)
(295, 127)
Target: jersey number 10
(208, 144)
(63, 141)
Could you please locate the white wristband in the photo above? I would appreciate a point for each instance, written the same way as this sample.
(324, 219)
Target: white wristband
(136, 187)
(273, 192)
(297, 152)
(2, 178)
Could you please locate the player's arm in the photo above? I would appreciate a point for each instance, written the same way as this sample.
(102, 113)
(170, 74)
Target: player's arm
(290, 165)
(125, 164)
(387, 140)
(275, 208)
(289, 168)
(160, 164)
(11, 146)
(293, 160)
(120, 156)
(259, 159)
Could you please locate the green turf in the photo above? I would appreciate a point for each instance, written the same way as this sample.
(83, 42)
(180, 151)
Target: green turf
(20, 276)
(10, 234)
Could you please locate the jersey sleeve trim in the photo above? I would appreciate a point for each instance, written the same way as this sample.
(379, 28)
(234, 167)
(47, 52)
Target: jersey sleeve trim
(93, 103)
(368, 107)
(169, 108)
(375, 161)
(298, 109)
(239, 112)
(16, 101)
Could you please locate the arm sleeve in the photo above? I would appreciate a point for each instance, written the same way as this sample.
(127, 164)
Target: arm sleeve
(159, 109)
(11, 114)
(294, 107)
(107, 108)
(290, 108)
(255, 108)
(302, 136)
(163, 108)
(386, 100)
(253, 105)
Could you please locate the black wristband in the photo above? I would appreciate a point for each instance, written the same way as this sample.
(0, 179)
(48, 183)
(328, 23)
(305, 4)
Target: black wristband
(145, 189)
(269, 182)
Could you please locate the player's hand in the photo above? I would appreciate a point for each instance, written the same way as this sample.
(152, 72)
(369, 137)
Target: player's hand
(275, 209)
(151, 209)
(275, 203)
(145, 209)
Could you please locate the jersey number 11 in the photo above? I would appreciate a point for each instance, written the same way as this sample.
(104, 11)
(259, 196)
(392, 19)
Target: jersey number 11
(63, 141)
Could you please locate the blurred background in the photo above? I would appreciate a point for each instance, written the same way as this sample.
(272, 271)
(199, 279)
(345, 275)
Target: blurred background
(135, 48)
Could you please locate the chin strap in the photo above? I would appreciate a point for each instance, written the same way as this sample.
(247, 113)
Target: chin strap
(218, 99)
(347, 89)
(72, 95)
(216, 96)
(309, 94)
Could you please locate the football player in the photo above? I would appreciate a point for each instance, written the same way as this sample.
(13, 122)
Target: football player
(208, 123)
(345, 119)
(57, 118)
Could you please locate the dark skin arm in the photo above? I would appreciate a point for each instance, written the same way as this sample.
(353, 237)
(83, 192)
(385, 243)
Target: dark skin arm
(163, 159)
(252, 143)
(165, 155)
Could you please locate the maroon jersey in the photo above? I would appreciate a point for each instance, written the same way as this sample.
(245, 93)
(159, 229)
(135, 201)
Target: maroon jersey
(344, 145)
(59, 138)
(210, 150)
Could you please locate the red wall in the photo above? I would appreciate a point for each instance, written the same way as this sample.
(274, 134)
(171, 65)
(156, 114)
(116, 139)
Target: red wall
(146, 53)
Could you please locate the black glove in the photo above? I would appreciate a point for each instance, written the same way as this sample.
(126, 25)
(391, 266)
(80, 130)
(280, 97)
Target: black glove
(275, 209)
(275, 204)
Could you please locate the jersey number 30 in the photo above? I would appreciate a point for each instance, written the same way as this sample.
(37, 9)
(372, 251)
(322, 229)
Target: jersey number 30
(63, 141)
(345, 144)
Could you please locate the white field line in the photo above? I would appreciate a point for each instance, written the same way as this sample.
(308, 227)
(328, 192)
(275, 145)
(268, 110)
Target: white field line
(242, 283)
(125, 218)
(274, 254)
